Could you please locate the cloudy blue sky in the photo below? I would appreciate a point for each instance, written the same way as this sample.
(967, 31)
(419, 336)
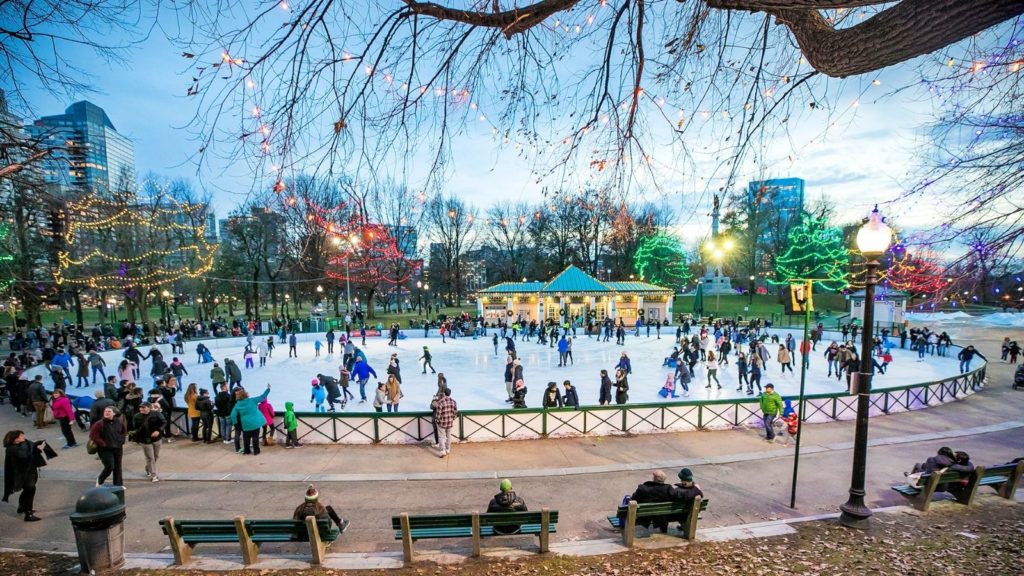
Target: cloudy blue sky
(865, 158)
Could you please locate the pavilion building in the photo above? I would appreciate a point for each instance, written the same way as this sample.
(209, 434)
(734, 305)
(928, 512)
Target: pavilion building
(576, 293)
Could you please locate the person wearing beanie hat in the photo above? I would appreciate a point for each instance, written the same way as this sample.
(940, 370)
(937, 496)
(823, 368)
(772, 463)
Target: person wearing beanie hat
(506, 501)
(311, 506)
(685, 491)
(426, 358)
(317, 396)
(771, 408)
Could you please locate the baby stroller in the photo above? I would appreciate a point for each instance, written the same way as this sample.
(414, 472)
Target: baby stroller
(1018, 377)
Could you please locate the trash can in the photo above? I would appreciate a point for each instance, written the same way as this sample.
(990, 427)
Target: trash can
(98, 521)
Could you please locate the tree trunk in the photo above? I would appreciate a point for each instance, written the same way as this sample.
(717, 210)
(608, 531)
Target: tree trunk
(79, 317)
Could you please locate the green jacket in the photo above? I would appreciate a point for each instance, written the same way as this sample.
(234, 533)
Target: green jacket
(290, 421)
(217, 376)
(771, 403)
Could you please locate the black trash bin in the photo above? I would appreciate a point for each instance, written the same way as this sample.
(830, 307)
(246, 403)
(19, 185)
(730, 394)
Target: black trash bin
(98, 521)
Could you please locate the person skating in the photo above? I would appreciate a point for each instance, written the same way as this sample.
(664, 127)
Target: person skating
(966, 355)
(508, 377)
(605, 394)
(621, 387)
(330, 386)
(552, 398)
(293, 341)
(234, 373)
(361, 371)
(426, 358)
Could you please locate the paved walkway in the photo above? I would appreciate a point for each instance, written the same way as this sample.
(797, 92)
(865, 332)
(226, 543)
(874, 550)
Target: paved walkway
(747, 479)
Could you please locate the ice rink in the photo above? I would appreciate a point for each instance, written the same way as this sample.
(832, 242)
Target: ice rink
(476, 375)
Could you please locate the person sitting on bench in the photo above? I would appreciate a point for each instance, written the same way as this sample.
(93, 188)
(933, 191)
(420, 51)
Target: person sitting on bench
(506, 501)
(685, 491)
(653, 491)
(312, 507)
(944, 459)
(961, 463)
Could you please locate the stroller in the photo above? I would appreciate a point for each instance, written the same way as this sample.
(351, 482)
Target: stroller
(1018, 377)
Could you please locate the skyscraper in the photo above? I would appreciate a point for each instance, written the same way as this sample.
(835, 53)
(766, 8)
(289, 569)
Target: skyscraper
(783, 198)
(92, 156)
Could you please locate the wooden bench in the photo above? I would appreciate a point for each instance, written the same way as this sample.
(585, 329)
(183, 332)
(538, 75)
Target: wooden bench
(408, 528)
(1004, 478)
(250, 534)
(625, 517)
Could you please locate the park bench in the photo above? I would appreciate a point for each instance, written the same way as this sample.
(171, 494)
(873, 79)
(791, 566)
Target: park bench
(1004, 478)
(250, 534)
(626, 516)
(408, 528)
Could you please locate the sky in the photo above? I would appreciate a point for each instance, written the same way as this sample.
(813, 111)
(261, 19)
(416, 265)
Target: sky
(864, 160)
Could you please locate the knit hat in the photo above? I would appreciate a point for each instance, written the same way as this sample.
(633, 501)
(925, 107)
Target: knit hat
(686, 475)
(506, 485)
(788, 409)
(311, 494)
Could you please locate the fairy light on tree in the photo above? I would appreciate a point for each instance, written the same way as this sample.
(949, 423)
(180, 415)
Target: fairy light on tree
(915, 274)
(132, 245)
(815, 250)
(660, 259)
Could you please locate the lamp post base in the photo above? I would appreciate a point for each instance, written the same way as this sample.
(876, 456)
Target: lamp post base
(855, 514)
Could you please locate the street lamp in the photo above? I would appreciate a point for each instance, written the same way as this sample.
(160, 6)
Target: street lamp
(165, 305)
(199, 308)
(419, 297)
(873, 240)
(750, 293)
(353, 240)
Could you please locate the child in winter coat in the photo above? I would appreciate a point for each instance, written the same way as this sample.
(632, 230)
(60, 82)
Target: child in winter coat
(318, 396)
(790, 421)
(669, 389)
(380, 398)
(268, 414)
(291, 426)
(317, 346)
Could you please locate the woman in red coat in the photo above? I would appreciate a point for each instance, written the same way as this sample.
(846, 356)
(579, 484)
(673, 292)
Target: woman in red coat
(64, 413)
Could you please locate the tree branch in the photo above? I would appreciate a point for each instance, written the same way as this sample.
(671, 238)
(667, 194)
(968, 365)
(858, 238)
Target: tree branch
(510, 22)
(904, 31)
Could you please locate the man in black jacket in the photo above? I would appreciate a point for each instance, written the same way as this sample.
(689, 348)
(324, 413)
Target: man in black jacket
(223, 404)
(506, 501)
(654, 490)
(330, 384)
(148, 427)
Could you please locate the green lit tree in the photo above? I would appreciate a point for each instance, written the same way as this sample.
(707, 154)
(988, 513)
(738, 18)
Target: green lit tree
(6, 258)
(660, 259)
(814, 250)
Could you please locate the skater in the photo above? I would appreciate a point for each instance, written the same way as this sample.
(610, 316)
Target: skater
(344, 377)
(712, 368)
(233, 372)
(203, 353)
(624, 364)
(317, 396)
(330, 385)
(394, 392)
(97, 363)
(361, 372)
(605, 395)
(330, 341)
(668, 390)
(316, 348)
(741, 367)
(293, 340)
(621, 387)
(570, 399)
(552, 398)
(261, 351)
(426, 358)
(494, 340)
(563, 347)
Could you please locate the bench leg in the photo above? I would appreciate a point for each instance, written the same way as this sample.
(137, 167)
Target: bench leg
(250, 552)
(691, 522)
(406, 538)
(966, 496)
(1009, 488)
(924, 499)
(629, 530)
(476, 534)
(316, 545)
(182, 551)
(545, 536)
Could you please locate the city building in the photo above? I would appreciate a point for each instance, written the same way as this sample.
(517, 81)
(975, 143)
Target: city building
(91, 155)
(578, 294)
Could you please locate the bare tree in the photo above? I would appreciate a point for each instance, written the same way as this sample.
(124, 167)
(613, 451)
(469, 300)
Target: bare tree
(506, 228)
(451, 223)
